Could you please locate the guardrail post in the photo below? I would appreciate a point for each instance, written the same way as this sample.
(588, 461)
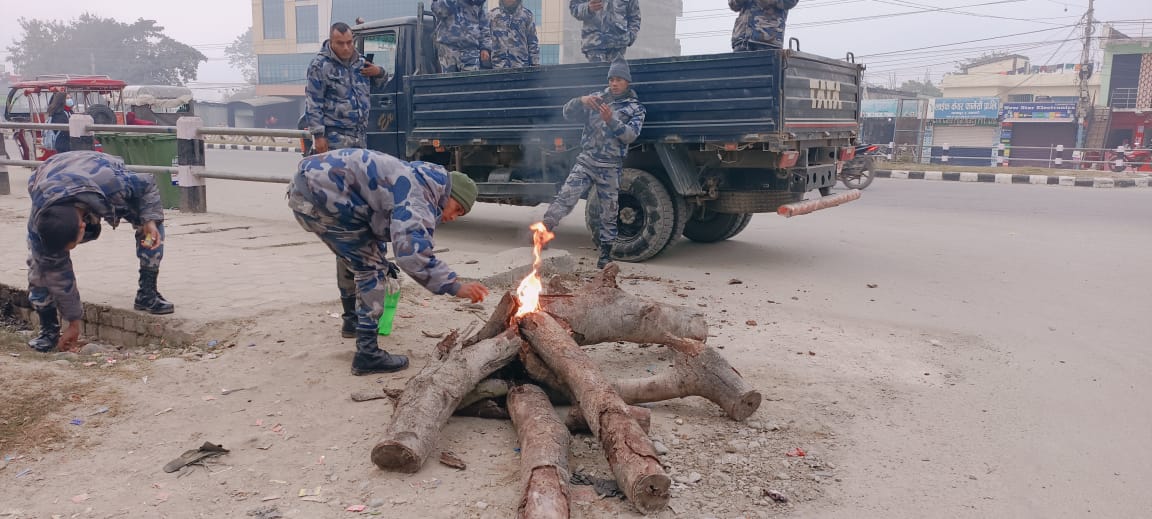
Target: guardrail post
(82, 137)
(5, 184)
(190, 160)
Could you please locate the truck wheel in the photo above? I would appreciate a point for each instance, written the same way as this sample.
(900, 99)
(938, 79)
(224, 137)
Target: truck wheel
(102, 114)
(713, 227)
(647, 218)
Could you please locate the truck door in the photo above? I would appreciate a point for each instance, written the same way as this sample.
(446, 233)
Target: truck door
(384, 133)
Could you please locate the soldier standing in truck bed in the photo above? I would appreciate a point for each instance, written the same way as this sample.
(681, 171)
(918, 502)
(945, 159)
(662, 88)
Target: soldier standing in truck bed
(610, 27)
(514, 34)
(760, 24)
(463, 34)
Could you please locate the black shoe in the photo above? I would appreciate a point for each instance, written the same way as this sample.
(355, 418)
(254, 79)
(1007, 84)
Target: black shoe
(370, 359)
(605, 256)
(49, 331)
(348, 328)
(148, 299)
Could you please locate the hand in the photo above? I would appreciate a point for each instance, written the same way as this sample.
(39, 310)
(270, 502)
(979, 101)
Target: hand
(605, 112)
(474, 291)
(596, 5)
(70, 337)
(485, 56)
(320, 144)
(152, 239)
(591, 102)
(370, 70)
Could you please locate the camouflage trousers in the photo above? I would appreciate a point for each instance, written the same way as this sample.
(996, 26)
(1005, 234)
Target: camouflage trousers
(606, 180)
(454, 60)
(344, 138)
(604, 55)
(749, 45)
(357, 248)
(62, 277)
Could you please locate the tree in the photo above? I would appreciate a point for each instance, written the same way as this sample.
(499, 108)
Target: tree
(927, 88)
(242, 56)
(137, 52)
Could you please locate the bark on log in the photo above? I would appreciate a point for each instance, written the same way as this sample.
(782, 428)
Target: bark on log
(601, 312)
(543, 375)
(432, 395)
(499, 321)
(543, 455)
(697, 370)
(576, 423)
(629, 451)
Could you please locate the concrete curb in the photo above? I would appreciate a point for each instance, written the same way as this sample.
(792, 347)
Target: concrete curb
(1008, 178)
(251, 147)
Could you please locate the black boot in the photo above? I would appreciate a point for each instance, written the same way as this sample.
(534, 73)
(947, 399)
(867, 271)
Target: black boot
(49, 331)
(348, 328)
(148, 298)
(605, 255)
(371, 359)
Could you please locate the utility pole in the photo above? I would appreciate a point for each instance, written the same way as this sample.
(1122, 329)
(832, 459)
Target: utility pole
(1084, 104)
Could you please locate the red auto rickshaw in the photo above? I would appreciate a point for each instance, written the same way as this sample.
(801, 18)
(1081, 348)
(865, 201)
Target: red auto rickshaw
(97, 96)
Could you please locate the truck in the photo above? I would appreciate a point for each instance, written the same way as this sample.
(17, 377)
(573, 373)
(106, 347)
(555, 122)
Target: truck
(726, 136)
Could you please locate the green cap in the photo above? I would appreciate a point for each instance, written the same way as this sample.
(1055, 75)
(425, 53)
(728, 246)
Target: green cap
(463, 190)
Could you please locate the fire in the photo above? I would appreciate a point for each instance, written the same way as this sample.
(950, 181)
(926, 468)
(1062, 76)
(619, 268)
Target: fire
(529, 291)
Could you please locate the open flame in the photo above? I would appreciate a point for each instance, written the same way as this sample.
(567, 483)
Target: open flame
(529, 291)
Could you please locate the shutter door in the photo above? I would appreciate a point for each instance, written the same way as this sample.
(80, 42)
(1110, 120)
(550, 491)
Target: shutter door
(1042, 135)
(968, 145)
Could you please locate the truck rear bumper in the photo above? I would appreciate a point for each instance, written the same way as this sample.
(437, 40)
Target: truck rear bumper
(806, 179)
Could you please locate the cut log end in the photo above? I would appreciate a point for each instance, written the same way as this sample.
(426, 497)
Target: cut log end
(390, 455)
(745, 406)
(651, 493)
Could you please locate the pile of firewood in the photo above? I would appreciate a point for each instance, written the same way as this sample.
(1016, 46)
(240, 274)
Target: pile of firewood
(543, 346)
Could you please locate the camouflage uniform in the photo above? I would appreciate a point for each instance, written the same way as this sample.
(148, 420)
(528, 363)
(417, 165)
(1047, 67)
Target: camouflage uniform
(607, 33)
(760, 24)
(337, 99)
(110, 193)
(462, 31)
(514, 34)
(357, 201)
(601, 160)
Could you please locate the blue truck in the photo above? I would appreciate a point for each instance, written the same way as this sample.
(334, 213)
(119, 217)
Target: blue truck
(727, 135)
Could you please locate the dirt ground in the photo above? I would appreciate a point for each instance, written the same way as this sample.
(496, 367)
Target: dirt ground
(300, 446)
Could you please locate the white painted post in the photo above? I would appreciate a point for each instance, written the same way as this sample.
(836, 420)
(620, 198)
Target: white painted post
(190, 160)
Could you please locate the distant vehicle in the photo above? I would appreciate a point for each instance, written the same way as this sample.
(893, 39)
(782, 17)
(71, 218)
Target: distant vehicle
(858, 172)
(97, 96)
(160, 104)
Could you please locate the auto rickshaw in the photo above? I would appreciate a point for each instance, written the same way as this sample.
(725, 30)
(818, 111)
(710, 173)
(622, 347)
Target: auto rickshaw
(97, 96)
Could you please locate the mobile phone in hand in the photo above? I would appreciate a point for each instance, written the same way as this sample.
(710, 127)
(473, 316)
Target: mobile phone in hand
(369, 59)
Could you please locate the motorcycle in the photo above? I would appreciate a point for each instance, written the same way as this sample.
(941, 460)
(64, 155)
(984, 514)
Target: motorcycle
(859, 172)
(1137, 159)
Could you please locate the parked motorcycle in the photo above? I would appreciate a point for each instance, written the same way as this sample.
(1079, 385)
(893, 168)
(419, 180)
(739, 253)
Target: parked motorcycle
(859, 172)
(1138, 160)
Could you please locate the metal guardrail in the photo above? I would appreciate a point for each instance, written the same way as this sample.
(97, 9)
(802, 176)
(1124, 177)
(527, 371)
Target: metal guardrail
(1059, 156)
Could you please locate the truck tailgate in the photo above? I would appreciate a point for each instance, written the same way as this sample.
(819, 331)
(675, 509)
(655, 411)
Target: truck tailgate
(821, 97)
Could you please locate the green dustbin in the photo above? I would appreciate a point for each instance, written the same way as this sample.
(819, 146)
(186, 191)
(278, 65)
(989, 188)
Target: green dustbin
(147, 149)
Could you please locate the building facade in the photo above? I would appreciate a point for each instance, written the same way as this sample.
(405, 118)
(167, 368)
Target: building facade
(287, 34)
(1014, 79)
(1126, 80)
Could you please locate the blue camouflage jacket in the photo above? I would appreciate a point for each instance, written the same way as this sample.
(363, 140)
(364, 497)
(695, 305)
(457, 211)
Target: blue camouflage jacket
(462, 24)
(760, 21)
(514, 35)
(337, 95)
(605, 144)
(613, 27)
(110, 192)
(398, 201)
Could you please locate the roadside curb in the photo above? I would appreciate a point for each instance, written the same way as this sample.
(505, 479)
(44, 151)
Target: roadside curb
(251, 147)
(1008, 178)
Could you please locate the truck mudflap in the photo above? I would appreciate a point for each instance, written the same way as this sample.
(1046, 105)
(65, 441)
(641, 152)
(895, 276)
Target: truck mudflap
(811, 206)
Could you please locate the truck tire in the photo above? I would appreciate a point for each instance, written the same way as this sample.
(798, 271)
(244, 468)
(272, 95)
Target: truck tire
(647, 219)
(102, 114)
(713, 227)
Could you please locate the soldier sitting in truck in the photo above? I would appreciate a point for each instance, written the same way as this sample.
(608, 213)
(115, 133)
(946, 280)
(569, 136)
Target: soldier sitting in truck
(463, 34)
(760, 24)
(612, 120)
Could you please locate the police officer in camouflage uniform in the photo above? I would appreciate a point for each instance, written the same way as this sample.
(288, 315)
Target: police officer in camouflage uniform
(463, 34)
(612, 120)
(610, 27)
(760, 24)
(338, 92)
(514, 34)
(357, 201)
(71, 192)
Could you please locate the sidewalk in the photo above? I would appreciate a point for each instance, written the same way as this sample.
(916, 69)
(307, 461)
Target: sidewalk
(219, 271)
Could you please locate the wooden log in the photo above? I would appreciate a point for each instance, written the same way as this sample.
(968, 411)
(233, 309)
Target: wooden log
(543, 455)
(697, 370)
(497, 322)
(601, 312)
(576, 423)
(629, 451)
(432, 395)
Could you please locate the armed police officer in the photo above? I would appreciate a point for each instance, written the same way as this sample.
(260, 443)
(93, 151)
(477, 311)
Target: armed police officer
(514, 36)
(760, 24)
(612, 120)
(610, 27)
(337, 105)
(357, 201)
(71, 193)
(463, 34)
